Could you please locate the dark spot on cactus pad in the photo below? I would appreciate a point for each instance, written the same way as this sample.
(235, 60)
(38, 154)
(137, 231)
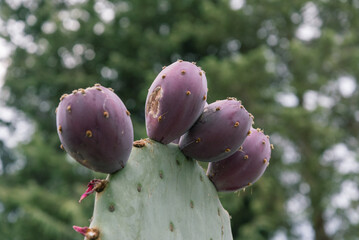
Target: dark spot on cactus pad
(218, 108)
(191, 204)
(218, 212)
(163, 76)
(139, 187)
(139, 143)
(204, 97)
(161, 174)
(200, 73)
(153, 104)
(201, 177)
(183, 72)
(172, 228)
(249, 133)
(178, 162)
(111, 208)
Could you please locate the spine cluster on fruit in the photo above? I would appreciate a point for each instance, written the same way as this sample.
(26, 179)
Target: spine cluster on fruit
(148, 178)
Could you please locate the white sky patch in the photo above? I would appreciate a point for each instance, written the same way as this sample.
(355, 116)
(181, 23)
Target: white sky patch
(304, 230)
(343, 159)
(310, 28)
(348, 192)
(290, 154)
(289, 178)
(279, 235)
(332, 225)
(313, 99)
(48, 27)
(347, 86)
(105, 10)
(287, 99)
(237, 4)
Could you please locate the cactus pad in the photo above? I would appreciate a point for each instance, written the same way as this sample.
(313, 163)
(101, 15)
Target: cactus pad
(160, 194)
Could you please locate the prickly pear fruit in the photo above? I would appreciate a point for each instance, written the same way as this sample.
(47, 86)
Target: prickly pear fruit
(160, 194)
(244, 167)
(175, 101)
(218, 133)
(95, 128)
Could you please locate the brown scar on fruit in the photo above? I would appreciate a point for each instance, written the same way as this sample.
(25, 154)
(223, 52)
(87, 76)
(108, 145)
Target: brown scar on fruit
(198, 140)
(236, 124)
(204, 97)
(128, 113)
(60, 128)
(249, 133)
(188, 93)
(183, 72)
(265, 161)
(106, 114)
(153, 103)
(68, 108)
(245, 157)
(163, 76)
(227, 150)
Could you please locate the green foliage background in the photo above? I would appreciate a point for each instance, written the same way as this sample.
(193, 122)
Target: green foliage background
(253, 52)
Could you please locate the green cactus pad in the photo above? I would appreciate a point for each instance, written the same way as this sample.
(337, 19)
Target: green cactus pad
(160, 194)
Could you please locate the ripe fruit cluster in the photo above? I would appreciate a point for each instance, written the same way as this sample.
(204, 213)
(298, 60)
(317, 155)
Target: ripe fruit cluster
(95, 128)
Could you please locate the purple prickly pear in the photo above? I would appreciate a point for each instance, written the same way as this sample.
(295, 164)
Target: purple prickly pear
(218, 133)
(175, 100)
(244, 167)
(95, 128)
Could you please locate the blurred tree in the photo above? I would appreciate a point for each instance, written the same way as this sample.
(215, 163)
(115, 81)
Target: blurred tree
(292, 63)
